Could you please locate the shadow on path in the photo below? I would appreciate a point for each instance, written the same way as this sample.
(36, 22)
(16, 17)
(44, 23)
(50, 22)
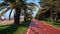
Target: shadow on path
(34, 31)
(34, 24)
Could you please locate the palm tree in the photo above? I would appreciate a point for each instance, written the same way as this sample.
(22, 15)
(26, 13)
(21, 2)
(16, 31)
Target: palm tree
(18, 6)
(31, 8)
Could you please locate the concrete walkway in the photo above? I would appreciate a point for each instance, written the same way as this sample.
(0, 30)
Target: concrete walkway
(38, 27)
(5, 22)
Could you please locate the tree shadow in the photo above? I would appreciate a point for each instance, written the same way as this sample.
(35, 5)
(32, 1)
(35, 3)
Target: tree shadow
(9, 30)
(12, 28)
(25, 24)
(35, 25)
(34, 31)
(58, 24)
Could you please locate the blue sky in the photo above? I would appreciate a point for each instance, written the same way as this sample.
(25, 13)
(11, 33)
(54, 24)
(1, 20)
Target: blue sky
(1, 1)
(36, 1)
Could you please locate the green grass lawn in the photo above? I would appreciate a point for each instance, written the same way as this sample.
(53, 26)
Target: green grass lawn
(14, 29)
(53, 23)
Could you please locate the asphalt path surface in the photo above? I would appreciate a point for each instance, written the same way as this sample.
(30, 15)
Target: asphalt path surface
(38, 27)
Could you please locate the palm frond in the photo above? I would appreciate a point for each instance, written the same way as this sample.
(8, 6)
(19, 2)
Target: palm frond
(3, 4)
(1, 8)
(32, 4)
(10, 13)
(4, 12)
(11, 1)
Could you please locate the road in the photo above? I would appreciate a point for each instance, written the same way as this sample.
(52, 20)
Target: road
(38, 27)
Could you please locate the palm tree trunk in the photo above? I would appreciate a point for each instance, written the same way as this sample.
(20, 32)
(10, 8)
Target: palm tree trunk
(25, 16)
(17, 15)
(0, 18)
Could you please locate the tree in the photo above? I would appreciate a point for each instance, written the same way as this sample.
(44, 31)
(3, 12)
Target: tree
(18, 6)
(54, 8)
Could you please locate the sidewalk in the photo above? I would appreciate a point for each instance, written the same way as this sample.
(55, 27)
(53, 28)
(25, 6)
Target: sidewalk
(38, 27)
(5, 22)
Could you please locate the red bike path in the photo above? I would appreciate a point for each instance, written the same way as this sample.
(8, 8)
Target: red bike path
(38, 27)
